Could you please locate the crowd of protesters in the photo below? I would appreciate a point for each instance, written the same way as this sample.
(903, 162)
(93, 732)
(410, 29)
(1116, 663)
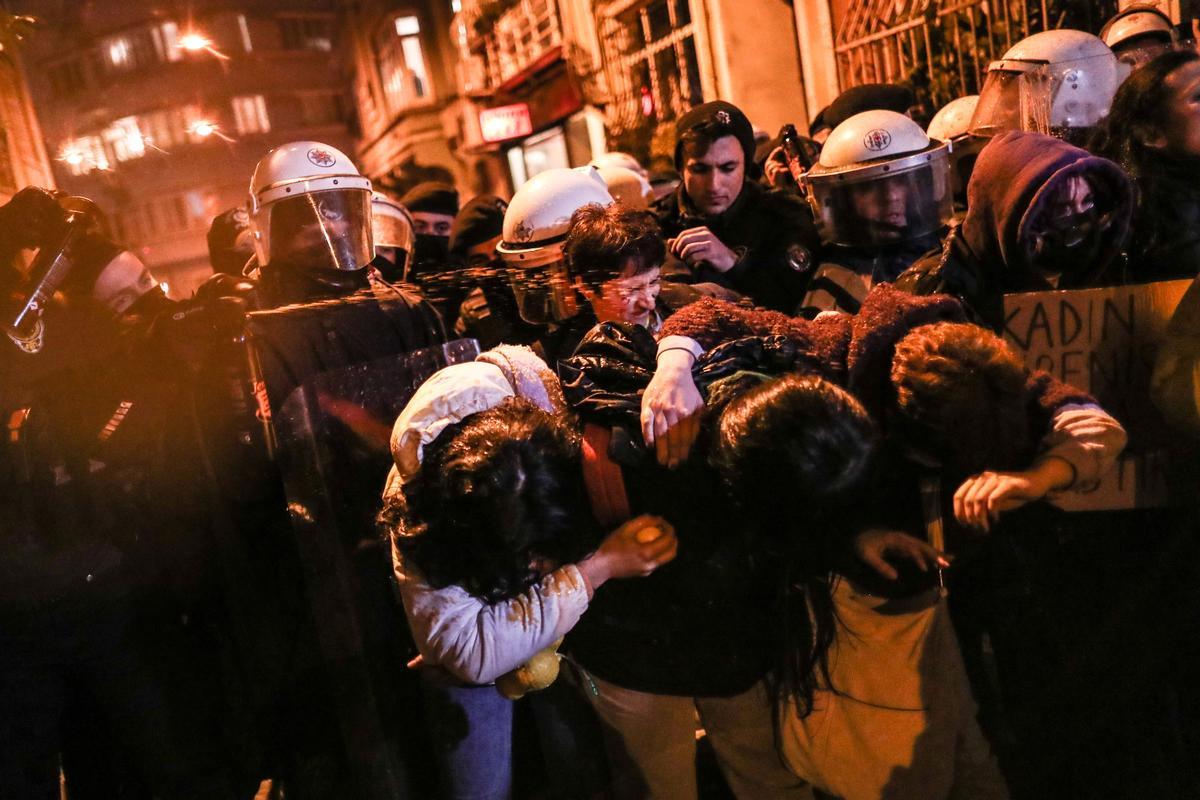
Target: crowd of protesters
(745, 492)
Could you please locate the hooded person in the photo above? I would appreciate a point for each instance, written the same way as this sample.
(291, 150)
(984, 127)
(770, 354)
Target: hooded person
(1042, 214)
(433, 207)
(724, 228)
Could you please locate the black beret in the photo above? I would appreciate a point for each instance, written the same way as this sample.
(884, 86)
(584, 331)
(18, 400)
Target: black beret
(868, 97)
(431, 197)
(229, 242)
(724, 118)
(480, 220)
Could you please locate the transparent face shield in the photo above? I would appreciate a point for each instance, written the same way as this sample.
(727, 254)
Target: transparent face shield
(1014, 101)
(321, 230)
(392, 231)
(882, 208)
(545, 293)
(1141, 50)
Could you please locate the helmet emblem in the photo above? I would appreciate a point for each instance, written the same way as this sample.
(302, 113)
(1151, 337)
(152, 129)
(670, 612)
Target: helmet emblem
(877, 139)
(523, 232)
(322, 158)
(722, 117)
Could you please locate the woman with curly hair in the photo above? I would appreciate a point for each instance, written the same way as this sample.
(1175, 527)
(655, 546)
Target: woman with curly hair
(494, 548)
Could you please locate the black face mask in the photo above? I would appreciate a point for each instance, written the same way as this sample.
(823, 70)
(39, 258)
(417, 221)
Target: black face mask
(1071, 243)
(430, 253)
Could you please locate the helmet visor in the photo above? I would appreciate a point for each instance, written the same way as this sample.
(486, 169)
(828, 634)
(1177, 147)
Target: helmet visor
(884, 208)
(321, 230)
(544, 293)
(1013, 101)
(390, 230)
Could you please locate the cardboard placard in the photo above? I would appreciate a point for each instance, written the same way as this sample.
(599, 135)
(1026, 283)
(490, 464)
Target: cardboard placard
(1105, 341)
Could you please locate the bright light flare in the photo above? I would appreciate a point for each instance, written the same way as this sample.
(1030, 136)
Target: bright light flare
(72, 157)
(194, 42)
(204, 128)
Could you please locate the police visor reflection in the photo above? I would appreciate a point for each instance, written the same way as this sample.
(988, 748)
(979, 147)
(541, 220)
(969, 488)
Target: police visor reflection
(321, 230)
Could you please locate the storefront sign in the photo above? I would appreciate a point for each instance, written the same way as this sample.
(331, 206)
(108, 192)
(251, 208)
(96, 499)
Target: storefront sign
(1105, 341)
(505, 122)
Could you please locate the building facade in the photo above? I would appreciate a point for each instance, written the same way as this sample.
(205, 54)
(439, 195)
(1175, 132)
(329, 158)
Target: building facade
(404, 88)
(159, 111)
(23, 158)
(546, 84)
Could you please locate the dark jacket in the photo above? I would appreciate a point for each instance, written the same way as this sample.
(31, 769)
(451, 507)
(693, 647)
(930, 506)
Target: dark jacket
(1165, 242)
(989, 254)
(845, 273)
(699, 626)
(772, 232)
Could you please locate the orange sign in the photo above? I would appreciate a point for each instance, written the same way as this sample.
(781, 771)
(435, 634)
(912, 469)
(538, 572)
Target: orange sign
(505, 122)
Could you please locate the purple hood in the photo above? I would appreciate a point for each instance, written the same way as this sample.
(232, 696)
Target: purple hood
(1014, 178)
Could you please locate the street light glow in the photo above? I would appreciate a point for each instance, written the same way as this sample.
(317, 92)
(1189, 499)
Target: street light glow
(203, 128)
(73, 157)
(194, 41)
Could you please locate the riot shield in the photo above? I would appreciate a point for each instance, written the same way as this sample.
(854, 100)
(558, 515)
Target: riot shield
(332, 437)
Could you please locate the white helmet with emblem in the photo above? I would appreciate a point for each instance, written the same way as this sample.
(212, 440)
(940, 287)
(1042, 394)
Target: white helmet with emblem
(627, 187)
(1139, 33)
(880, 179)
(619, 159)
(311, 208)
(1050, 82)
(953, 119)
(535, 228)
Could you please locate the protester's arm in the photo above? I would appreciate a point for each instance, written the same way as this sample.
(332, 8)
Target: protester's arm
(1082, 444)
(477, 641)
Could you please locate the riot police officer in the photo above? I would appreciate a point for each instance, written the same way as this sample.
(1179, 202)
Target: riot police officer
(881, 194)
(85, 615)
(1058, 82)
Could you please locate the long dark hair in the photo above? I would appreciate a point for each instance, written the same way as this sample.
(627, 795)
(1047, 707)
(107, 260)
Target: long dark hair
(1139, 115)
(495, 492)
(794, 453)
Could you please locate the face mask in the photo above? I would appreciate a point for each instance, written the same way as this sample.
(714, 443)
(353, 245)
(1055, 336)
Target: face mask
(430, 252)
(1072, 241)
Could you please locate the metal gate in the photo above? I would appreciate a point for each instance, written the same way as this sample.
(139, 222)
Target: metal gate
(942, 47)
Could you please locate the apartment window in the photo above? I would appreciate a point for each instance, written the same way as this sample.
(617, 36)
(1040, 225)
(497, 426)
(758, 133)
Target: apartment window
(521, 35)
(84, 154)
(133, 50)
(166, 41)
(401, 62)
(653, 51)
(124, 139)
(305, 33)
(244, 30)
(250, 114)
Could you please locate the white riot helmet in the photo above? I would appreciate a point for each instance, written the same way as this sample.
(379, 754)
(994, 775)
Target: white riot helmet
(951, 122)
(1139, 33)
(392, 227)
(1050, 82)
(880, 180)
(311, 209)
(619, 159)
(535, 228)
(627, 187)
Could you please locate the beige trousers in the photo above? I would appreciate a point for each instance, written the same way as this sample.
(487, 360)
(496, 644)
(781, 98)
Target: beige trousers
(651, 743)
